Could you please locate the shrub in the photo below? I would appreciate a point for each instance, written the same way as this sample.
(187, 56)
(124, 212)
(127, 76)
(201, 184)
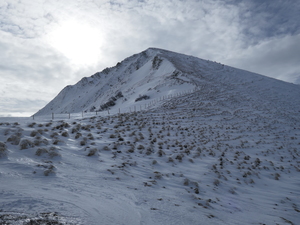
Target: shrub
(14, 139)
(78, 135)
(3, 149)
(186, 182)
(54, 134)
(216, 182)
(92, 152)
(49, 171)
(106, 148)
(154, 162)
(143, 97)
(33, 133)
(82, 142)
(25, 144)
(140, 147)
(41, 151)
(53, 153)
(57, 141)
(179, 157)
(65, 134)
(38, 142)
(161, 153)
(170, 159)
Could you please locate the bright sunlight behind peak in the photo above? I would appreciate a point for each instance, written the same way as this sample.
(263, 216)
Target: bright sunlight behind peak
(77, 41)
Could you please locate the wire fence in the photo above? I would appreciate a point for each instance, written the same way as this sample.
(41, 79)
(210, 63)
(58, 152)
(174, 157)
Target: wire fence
(145, 105)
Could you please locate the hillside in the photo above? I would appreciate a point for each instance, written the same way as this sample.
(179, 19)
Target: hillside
(155, 74)
(221, 148)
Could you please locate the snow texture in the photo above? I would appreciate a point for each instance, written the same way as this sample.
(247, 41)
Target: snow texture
(214, 145)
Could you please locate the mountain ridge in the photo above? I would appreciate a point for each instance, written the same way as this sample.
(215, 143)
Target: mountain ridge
(155, 73)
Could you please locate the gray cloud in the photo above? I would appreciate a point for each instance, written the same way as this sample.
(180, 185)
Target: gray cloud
(260, 36)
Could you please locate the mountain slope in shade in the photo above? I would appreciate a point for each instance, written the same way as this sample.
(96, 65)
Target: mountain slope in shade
(155, 73)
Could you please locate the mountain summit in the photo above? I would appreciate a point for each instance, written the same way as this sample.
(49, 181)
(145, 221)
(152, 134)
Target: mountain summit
(155, 73)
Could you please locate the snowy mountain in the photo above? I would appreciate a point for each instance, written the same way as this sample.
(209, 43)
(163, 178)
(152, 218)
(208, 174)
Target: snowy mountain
(155, 74)
(204, 144)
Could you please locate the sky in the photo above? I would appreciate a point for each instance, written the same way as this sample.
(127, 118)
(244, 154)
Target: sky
(46, 45)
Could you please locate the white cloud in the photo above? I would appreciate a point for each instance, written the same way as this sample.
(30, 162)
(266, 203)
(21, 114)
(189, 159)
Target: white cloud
(253, 35)
(275, 57)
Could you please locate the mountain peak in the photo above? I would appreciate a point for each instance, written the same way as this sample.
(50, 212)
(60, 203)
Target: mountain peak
(157, 73)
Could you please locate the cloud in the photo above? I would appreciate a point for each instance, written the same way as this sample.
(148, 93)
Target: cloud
(260, 36)
(276, 57)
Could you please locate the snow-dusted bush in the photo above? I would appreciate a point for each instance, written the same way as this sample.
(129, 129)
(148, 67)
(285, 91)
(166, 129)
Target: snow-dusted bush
(14, 139)
(50, 170)
(41, 151)
(216, 182)
(143, 97)
(54, 134)
(65, 134)
(140, 147)
(38, 141)
(106, 148)
(25, 144)
(160, 153)
(92, 152)
(78, 135)
(56, 141)
(3, 149)
(53, 152)
(83, 142)
(31, 124)
(33, 133)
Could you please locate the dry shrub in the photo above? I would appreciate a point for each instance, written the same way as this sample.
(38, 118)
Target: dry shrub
(39, 142)
(106, 148)
(14, 139)
(140, 147)
(65, 134)
(25, 144)
(41, 151)
(216, 182)
(33, 133)
(78, 135)
(92, 152)
(160, 153)
(3, 149)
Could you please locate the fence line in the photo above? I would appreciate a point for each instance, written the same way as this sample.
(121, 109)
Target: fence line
(147, 105)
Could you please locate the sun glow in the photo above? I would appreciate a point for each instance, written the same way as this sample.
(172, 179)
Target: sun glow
(79, 42)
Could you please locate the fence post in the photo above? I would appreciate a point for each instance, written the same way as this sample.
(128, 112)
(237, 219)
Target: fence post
(69, 115)
(82, 113)
(33, 117)
(119, 111)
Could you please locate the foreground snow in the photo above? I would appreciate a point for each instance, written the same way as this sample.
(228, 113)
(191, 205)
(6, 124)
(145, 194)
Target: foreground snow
(185, 162)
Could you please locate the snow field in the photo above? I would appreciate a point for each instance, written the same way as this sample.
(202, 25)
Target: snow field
(186, 162)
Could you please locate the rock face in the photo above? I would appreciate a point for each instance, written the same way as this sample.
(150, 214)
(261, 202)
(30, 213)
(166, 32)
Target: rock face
(156, 73)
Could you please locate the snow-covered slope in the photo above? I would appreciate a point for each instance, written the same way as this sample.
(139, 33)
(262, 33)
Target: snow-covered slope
(217, 145)
(143, 74)
(155, 74)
